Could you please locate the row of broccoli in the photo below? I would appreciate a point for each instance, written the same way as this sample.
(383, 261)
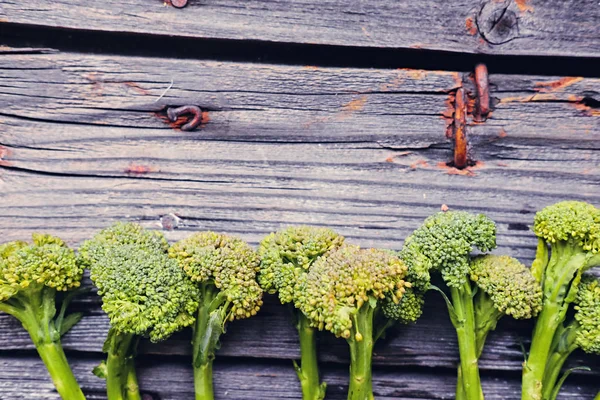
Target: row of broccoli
(152, 289)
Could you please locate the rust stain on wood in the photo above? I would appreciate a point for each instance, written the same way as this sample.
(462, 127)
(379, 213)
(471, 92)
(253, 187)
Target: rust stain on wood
(559, 84)
(4, 152)
(468, 171)
(448, 114)
(418, 164)
(139, 169)
(585, 109)
(392, 157)
(182, 120)
(471, 27)
(136, 87)
(524, 6)
(502, 133)
(311, 67)
(355, 105)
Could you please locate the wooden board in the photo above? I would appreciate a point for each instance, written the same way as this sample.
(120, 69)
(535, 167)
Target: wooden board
(510, 27)
(85, 142)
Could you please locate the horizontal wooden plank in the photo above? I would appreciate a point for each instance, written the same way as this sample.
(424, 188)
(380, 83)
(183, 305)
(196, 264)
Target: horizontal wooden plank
(167, 379)
(516, 27)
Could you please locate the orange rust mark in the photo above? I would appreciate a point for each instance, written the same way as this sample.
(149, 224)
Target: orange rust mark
(392, 157)
(470, 25)
(460, 136)
(182, 120)
(394, 84)
(4, 152)
(524, 6)
(355, 105)
(468, 171)
(136, 87)
(416, 46)
(502, 133)
(416, 74)
(310, 67)
(502, 164)
(139, 169)
(574, 98)
(444, 208)
(419, 163)
(561, 83)
(448, 114)
(587, 110)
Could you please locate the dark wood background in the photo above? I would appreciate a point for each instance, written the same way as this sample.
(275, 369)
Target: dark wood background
(321, 112)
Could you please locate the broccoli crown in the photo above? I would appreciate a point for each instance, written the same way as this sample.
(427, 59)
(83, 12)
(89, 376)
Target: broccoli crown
(47, 262)
(446, 239)
(225, 261)
(418, 266)
(340, 283)
(568, 220)
(408, 310)
(587, 306)
(509, 284)
(288, 253)
(144, 292)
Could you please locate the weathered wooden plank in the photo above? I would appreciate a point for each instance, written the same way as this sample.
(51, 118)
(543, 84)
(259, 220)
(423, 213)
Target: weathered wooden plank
(168, 379)
(531, 27)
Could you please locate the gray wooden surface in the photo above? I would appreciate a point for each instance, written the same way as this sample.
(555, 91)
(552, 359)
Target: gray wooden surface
(85, 142)
(518, 27)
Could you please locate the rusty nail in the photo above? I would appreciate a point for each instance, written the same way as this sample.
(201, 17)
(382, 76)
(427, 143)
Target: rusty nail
(483, 93)
(174, 113)
(179, 3)
(460, 134)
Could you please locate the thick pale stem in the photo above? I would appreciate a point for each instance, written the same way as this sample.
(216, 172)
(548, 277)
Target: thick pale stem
(308, 371)
(203, 381)
(462, 301)
(56, 362)
(361, 352)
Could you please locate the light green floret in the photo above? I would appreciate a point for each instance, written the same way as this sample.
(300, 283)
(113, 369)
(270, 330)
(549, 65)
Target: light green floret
(447, 240)
(340, 285)
(408, 310)
(226, 262)
(285, 255)
(587, 315)
(30, 277)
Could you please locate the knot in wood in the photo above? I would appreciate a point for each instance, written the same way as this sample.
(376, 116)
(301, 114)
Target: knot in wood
(497, 23)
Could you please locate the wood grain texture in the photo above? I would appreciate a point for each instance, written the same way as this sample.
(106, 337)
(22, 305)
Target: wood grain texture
(84, 142)
(531, 27)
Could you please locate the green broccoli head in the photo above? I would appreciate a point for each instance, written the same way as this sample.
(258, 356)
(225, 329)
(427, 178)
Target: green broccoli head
(47, 262)
(144, 292)
(509, 284)
(287, 254)
(447, 239)
(587, 306)
(570, 221)
(226, 262)
(339, 284)
(408, 310)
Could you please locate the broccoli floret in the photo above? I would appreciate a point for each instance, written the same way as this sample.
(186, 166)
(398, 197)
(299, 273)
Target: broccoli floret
(343, 292)
(444, 244)
(568, 245)
(144, 293)
(286, 256)
(223, 268)
(582, 332)
(30, 277)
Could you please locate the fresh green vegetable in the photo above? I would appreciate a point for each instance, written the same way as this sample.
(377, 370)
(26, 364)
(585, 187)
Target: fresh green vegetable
(568, 245)
(345, 292)
(144, 293)
(285, 256)
(582, 332)
(224, 270)
(30, 277)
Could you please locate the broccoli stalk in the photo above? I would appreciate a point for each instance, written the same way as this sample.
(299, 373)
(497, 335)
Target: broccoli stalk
(445, 241)
(285, 255)
(503, 286)
(569, 244)
(583, 332)
(144, 293)
(30, 277)
(224, 270)
(345, 292)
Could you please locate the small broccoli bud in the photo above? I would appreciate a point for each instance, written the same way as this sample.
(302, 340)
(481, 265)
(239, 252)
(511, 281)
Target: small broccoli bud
(48, 262)
(143, 291)
(339, 284)
(227, 262)
(288, 253)
(570, 220)
(509, 284)
(447, 239)
(587, 306)
(408, 310)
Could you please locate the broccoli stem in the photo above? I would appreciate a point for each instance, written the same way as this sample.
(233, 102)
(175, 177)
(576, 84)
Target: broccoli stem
(308, 370)
(209, 326)
(120, 369)
(564, 263)
(361, 352)
(56, 362)
(462, 301)
(563, 346)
